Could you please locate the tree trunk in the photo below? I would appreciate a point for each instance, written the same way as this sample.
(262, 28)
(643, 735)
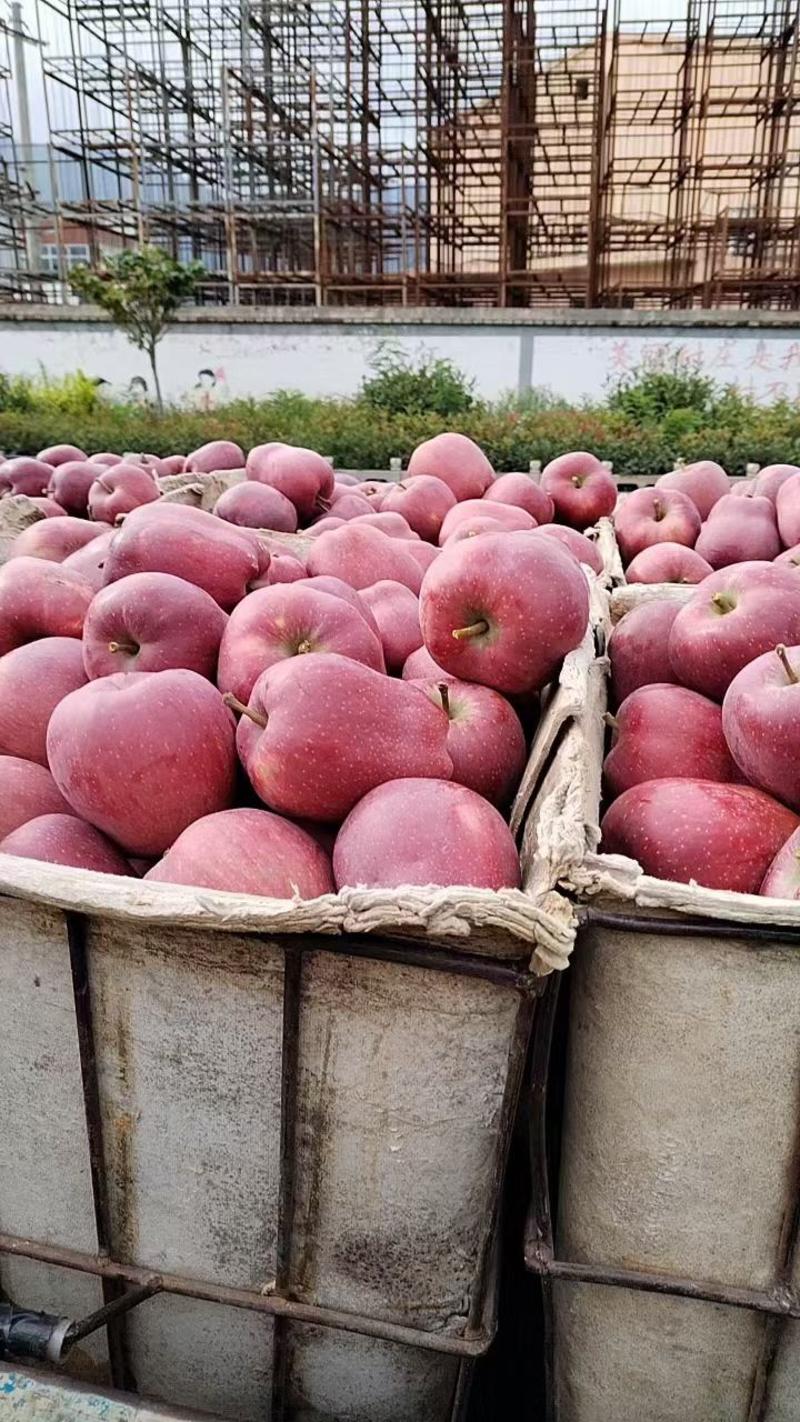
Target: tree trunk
(156, 382)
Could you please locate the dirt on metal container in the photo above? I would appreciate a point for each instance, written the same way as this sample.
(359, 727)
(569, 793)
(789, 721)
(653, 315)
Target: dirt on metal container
(669, 1257)
(268, 1138)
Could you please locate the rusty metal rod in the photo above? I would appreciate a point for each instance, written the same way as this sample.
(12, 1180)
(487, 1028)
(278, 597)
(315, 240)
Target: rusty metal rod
(470, 1345)
(115, 1309)
(782, 1302)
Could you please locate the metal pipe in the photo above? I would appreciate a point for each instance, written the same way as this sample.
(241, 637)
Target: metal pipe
(104, 1267)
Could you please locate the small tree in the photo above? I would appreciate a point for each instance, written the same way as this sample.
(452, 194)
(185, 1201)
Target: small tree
(141, 290)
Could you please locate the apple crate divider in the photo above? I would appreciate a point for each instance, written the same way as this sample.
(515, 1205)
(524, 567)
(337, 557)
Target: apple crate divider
(276, 1130)
(671, 1274)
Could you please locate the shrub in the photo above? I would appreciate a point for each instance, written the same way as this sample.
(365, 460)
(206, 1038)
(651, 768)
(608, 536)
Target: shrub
(663, 385)
(429, 387)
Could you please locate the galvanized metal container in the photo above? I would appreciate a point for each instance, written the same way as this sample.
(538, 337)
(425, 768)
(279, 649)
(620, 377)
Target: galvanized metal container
(269, 1137)
(669, 1258)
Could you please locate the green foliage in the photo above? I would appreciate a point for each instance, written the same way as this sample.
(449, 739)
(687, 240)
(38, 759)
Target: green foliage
(360, 435)
(141, 289)
(430, 387)
(74, 394)
(528, 402)
(664, 385)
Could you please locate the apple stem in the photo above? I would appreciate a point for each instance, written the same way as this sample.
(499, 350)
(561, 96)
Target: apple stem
(445, 695)
(780, 651)
(611, 721)
(304, 646)
(129, 647)
(237, 705)
(475, 629)
(658, 510)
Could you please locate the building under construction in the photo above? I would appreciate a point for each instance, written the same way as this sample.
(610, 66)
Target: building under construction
(420, 152)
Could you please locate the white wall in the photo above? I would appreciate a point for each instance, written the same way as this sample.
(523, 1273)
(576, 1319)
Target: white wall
(326, 359)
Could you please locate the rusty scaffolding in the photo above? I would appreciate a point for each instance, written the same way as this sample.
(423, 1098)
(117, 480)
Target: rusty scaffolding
(418, 152)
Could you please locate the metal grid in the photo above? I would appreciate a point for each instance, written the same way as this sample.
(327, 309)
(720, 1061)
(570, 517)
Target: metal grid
(447, 152)
(126, 1286)
(776, 1304)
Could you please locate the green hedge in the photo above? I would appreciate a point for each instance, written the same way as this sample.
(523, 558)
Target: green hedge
(729, 428)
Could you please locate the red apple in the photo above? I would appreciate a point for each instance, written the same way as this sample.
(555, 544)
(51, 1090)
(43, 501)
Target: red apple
(27, 790)
(485, 742)
(704, 483)
(70, 484)
(638, 648)
(57, 454)
(337, 588)
(741, 489)
(143, 755)
(772, 477)
(291, 620)
(790, 557)
(90, 561)
(787, 508)
(455, 459)
(106, 458)
(649, 516)
(413, 831)
(301, 474)
(285, 568)
(721, 836)
(172, 464)
(64, 839)
(324, 525)
(247, 852)
(466, 514)
(422, 552)
(396, 611)
(581, 547)
(503, 610)
(732, 617)
(582, 489)
(392, 524)
(25, 476)
(48, 508)
(668, 563)
(33, 679)
(522, 492)
(53, 539)
(349, 505)
(420, 666)
(254, 505)
(217, 454)
(375, 491)
(782, 879)
(739, 531)
(476, 528)
(320, 731)
(118, 490)
(224, 560)
(662, 730)
(151, 622)
(760, 716)
(362, 556)
(423, 500)
(40, 599)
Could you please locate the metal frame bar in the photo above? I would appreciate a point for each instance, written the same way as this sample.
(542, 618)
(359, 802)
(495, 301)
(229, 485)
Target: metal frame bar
(776, 1304)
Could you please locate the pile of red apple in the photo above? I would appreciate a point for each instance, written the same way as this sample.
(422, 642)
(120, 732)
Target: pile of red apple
(703, 776)
(696, 520)
(204, 699)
